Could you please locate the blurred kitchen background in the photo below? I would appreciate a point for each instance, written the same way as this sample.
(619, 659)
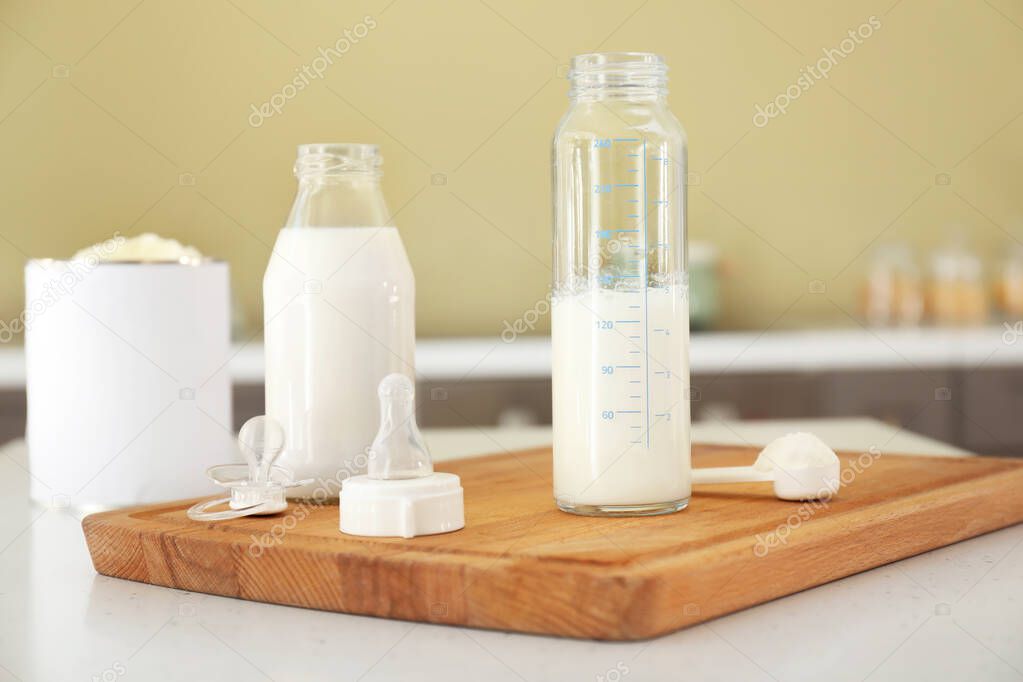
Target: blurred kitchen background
(857, 254)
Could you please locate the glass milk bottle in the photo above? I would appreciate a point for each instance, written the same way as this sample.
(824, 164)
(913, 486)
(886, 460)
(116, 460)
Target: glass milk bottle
(339, 315)
(620, 313)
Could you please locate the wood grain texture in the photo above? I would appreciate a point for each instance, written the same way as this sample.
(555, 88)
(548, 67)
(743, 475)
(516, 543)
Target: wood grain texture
(520, 564)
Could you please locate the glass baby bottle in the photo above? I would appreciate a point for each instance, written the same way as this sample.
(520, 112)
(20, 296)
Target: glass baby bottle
(620, 311)
(339, 316)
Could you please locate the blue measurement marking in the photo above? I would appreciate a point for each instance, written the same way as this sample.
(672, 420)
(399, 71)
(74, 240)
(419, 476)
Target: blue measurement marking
(633, 215)
(626, 411)
(633, 201)
(660, 201)
(634, 306)
(635, 381)
(628, 321)
(632, 154)
(634, 170)
(626, 184)
(646, 306)
(626, 139)
(626, 366)
(635, 396)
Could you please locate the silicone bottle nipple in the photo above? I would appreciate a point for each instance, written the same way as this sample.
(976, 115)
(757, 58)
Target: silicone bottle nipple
(398, 451)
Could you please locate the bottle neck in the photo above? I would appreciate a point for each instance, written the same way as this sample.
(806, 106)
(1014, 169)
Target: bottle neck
(619, 75)
(338, 186)
(350, 200)
(620, 94)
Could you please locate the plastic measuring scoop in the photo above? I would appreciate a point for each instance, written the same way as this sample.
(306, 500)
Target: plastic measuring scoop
(401, 496)
(257, 487)
(800, 465)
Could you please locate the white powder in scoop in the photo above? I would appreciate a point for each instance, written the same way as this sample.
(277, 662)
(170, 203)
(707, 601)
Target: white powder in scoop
(795, 451)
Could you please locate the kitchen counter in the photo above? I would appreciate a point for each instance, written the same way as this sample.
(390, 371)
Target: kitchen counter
(953, 614)
(807, 350)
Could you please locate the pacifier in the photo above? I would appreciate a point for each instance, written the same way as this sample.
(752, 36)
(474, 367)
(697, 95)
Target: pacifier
(257, 487)
(401, 495)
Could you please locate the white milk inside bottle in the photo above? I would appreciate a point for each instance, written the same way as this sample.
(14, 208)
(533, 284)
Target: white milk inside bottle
(612, 452)
(339, 316)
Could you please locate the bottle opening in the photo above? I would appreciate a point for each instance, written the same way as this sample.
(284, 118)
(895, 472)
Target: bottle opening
(620, 73)
(340, 158)
(338, 186)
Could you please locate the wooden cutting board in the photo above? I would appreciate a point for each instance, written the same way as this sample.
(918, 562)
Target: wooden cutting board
(520, 564)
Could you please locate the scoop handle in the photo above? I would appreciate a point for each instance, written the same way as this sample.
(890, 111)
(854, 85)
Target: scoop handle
(729, 475)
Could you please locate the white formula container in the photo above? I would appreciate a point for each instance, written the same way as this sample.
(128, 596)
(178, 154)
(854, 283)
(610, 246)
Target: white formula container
(129, 397)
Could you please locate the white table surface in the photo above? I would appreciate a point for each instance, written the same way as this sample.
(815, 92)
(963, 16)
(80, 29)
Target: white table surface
(952, 614)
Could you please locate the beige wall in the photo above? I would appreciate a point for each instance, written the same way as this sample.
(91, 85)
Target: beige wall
(135, 117)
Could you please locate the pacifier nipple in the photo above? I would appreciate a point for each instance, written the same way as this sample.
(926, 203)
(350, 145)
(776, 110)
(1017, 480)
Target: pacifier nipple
(261, 440)
(398, 451)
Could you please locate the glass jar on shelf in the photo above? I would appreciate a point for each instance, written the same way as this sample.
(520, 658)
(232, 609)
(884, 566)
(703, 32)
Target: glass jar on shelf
(892, 289)
(1009, 284)
(956, 294)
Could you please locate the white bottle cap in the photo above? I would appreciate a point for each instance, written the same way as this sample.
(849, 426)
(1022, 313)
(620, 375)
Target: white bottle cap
(402, 508)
